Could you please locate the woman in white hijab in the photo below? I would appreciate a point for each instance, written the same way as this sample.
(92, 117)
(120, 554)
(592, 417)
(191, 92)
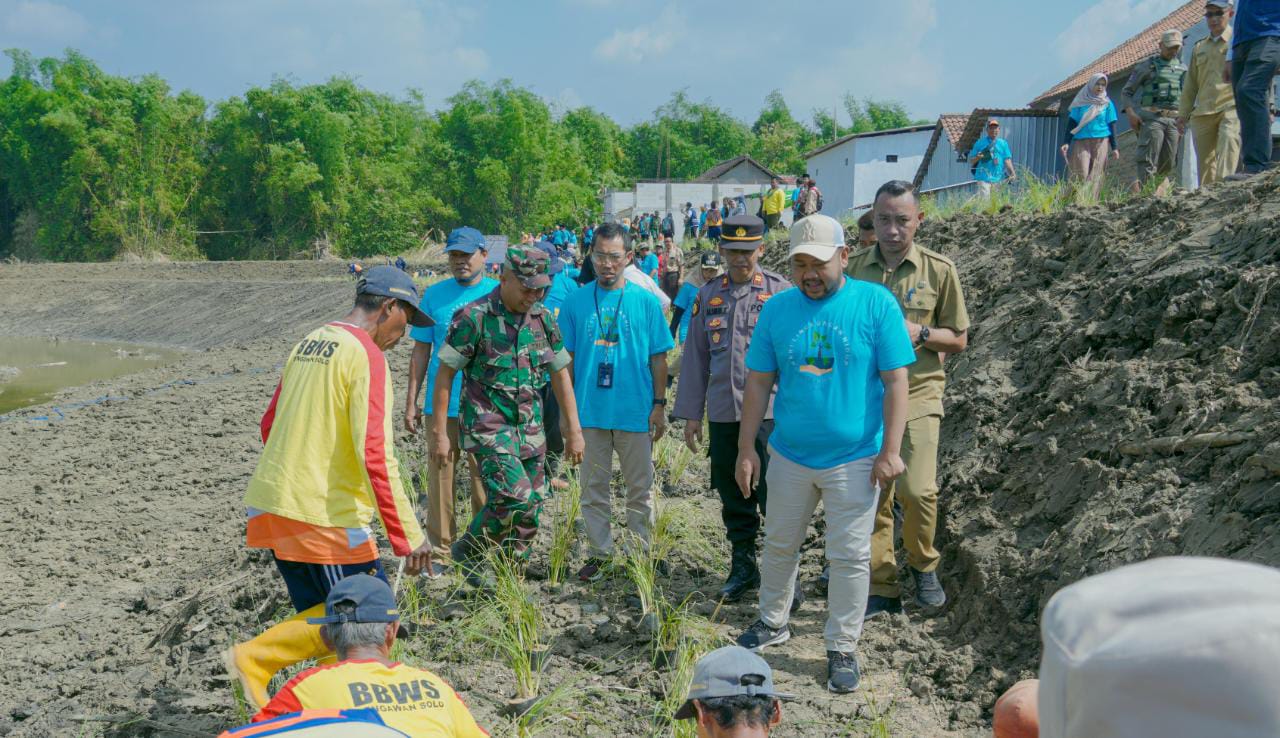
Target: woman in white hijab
(1091, 134)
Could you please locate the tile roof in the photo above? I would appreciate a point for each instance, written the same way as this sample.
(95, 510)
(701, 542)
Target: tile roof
(1121, 58)
(950, 123)
(720, 169)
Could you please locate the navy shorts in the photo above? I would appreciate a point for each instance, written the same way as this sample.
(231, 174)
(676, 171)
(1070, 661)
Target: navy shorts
(309, 584)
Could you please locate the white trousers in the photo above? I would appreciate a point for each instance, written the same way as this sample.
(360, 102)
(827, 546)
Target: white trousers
(849, 504)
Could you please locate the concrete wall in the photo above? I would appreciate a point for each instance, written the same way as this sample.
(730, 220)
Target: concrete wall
(873, 169)
(850, 174)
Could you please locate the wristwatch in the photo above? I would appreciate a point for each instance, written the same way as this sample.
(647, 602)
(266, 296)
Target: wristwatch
(924, 334)
(660, 401)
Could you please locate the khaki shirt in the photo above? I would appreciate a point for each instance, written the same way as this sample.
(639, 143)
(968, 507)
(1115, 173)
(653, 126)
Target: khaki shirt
(928, 291)
(1204, 92)
(713, 368)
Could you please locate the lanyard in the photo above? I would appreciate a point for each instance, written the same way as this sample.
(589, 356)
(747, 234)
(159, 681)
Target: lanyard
(612, 336)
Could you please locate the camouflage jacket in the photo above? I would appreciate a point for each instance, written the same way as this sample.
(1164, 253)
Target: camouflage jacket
(505, 359)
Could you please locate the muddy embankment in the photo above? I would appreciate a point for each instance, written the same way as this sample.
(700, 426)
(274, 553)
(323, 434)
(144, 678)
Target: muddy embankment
(1120, 399)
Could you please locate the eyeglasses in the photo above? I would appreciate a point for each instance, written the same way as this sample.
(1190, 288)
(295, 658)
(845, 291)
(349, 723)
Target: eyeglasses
(600, 257)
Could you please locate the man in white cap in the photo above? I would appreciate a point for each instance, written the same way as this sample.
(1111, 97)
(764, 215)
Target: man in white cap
(1190, 648)
(1151, 98)
(732, 694)
(838, 350)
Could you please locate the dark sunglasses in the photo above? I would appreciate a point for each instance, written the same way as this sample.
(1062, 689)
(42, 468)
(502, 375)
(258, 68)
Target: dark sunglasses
(1214, 13)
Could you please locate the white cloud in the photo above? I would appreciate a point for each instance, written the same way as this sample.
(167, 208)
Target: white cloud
(1105, 24)
(645, 41)
(897, 63)
(27, 20)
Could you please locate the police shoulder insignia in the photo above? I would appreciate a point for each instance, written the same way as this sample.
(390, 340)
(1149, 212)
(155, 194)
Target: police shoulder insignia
(724, 282)
(759, 280)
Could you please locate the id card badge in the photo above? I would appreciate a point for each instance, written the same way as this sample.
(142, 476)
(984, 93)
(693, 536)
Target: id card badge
(604, 375)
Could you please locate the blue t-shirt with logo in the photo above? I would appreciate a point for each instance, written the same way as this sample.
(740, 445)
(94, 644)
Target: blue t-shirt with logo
(991, 170)
(440, 301)
(828, 355)
(684, 299)
(1099, 127)
(595, 335)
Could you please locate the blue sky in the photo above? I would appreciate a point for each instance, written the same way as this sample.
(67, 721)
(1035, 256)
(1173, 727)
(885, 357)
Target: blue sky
(623, 57)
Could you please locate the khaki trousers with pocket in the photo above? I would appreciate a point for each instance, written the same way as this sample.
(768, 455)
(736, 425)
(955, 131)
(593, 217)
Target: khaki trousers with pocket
(917, 492)
(849, 505)
(442, 524)
(1217, 141)
(635, 453)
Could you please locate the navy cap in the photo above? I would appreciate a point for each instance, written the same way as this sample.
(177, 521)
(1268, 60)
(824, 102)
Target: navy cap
(731, 671)
(743, 232)
(711, 260)
(387, 281)
(371, 597)
(556, 264)
(465, 239)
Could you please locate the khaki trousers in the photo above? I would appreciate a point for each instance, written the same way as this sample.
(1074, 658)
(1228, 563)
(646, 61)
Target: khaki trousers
(1088, 162)
(1217, 140)
(849, 506)
(635, 453)
(442, 524)
(917, 492)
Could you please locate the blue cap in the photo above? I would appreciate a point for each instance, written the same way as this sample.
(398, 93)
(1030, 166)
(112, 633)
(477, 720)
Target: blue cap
(465, 239)
(556, 264)
(387, 281)
(370, 596)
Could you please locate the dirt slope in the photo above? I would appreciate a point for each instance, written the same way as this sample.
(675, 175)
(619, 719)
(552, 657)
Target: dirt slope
(1097, 335)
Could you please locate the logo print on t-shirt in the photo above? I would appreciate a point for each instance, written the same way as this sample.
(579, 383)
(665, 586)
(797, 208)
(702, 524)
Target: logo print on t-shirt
(818, 347)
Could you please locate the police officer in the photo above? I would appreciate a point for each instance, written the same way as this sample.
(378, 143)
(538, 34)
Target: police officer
(713, 375)
(928, 290)
(507, 346)
(1151, 98)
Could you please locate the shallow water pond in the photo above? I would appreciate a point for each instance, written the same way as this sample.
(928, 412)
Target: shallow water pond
(33, 370)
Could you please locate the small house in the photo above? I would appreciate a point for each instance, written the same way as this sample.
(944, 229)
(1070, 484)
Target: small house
(850, 169)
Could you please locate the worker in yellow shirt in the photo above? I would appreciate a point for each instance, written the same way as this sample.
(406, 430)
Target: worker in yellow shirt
(360, 623)
(328, 464)
(775, 200)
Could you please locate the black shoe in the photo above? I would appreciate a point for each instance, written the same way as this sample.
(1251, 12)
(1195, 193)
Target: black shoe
(593, 570)
(743, 574)
(760, 635)
(929, 592)
(823, 583)
(877, 605)
(843, 673)
(797, 600)
(468, 555)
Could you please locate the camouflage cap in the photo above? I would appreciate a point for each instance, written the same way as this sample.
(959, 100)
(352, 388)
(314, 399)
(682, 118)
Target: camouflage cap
(529, 264)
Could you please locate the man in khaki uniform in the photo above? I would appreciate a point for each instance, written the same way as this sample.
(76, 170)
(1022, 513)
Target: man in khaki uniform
(927, 288)
(1208, 102)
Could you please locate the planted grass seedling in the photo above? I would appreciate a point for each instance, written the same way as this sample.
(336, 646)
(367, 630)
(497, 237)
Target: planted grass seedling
(565, 510)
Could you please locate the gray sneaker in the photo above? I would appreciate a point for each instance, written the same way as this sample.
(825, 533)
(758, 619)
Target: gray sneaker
(843, 673)
(929, 592)
(760, 635)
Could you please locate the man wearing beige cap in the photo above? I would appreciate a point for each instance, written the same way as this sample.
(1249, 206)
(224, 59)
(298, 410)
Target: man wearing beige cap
(838, 350)
(1151, 98)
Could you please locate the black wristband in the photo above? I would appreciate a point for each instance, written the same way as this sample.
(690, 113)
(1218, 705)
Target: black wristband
(660, 401)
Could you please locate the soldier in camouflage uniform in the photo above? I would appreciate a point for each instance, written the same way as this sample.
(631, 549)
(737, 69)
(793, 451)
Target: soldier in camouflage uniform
(507, 346)
(1151, 98)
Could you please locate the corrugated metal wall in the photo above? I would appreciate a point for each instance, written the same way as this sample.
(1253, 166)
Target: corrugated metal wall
(1035, 141)
(944, 170)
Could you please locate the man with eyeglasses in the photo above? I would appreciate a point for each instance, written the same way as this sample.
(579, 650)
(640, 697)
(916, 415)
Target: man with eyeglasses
(991, 160)
(618, 341)
(713, 376)
(1207, 101)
